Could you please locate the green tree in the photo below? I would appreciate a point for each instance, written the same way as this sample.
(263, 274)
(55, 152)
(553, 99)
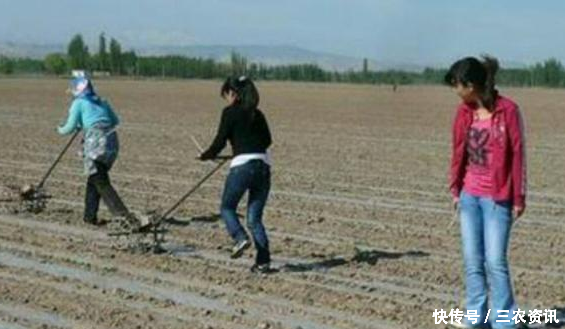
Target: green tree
(115, 57)
(28, 65)
(55, 64)
(78, 55)
(102, 53)
(6, 65)
(129, 63)
(238, 64)
(553, 73)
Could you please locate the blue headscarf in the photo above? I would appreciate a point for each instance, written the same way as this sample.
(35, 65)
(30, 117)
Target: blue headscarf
(81, 87)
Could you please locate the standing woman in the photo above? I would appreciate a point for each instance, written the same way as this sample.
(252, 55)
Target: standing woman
(246, 128)
(488, 185)
(98, 121)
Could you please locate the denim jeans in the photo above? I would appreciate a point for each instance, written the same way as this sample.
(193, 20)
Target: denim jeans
(485, 232)
(255, 177)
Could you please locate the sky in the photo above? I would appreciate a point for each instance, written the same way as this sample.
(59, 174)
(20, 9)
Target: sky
(415, 31)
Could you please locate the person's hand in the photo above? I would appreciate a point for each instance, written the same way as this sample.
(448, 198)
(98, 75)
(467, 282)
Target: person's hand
(455, 204)
(517, 212)
(454, 208)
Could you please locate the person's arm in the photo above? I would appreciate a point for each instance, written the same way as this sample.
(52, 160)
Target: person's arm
(73, 120)
(221, 137)
(457, 156)
(265, 128)
(519, 178)
(114, 118)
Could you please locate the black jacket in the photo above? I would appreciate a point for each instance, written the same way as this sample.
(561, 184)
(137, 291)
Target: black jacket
(247, 131)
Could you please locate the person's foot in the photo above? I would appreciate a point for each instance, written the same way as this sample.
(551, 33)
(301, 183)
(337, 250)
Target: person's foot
(239, 248)
(262, 268)
(91, 221)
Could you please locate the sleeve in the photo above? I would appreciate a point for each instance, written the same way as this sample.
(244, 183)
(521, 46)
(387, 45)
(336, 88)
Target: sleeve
(267, 131)
(114, 118)
(73, 120)
(457, 155)
(221, 137)
(518, 144)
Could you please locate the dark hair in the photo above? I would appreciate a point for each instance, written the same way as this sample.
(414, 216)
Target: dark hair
(244, 88)
(481, 74)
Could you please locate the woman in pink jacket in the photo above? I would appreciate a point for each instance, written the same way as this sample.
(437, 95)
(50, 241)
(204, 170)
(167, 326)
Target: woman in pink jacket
(488, 185)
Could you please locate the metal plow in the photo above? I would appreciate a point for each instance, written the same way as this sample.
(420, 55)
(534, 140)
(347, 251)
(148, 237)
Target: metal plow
(146, 233)
(23, 199)
(33, 198)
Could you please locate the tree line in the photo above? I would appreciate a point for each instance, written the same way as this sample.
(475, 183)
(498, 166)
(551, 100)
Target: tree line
(111, 59)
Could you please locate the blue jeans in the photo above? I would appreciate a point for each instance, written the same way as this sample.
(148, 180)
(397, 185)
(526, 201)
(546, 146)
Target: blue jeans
(255, 177)
(485, 232)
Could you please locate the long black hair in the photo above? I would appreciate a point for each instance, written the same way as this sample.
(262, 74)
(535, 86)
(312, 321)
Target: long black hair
(480, 74)
(244, 88)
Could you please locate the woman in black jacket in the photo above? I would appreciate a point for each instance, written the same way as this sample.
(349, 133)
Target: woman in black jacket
(246, 128)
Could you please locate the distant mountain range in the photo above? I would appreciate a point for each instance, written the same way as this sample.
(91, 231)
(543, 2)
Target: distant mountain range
(280, 55)
(269, 55)
(29, 50)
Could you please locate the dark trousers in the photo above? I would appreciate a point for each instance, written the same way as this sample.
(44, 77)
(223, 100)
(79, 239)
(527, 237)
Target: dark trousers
(99, 187)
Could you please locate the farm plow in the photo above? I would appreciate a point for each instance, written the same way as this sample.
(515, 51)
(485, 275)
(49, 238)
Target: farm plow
(33, 198)
(150, 238)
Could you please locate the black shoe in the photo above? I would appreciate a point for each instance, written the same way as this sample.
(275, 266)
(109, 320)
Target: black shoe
(262, 268)
(91, 221)
(239, 248)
